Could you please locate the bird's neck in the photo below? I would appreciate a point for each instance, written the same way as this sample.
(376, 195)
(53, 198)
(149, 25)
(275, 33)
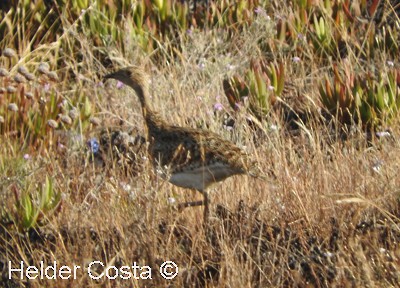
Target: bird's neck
(153, 121)
(155, 124)
(142, 94)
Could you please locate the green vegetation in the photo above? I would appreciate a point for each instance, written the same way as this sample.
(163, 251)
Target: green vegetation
(28, 214)
(310, 89)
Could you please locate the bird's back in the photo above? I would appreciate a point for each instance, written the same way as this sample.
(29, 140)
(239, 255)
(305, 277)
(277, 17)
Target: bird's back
(195, 158)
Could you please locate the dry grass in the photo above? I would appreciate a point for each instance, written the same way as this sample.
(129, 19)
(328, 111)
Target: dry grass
(328, 215)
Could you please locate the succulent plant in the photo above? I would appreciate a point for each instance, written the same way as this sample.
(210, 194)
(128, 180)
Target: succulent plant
(262, 84)
(361, 98)
(34, 206)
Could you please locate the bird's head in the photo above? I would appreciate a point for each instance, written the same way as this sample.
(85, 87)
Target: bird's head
(133, 76)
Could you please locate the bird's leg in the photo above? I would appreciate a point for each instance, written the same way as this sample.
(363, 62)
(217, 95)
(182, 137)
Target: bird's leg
(206, 207)
(205, 202)
(181, 206)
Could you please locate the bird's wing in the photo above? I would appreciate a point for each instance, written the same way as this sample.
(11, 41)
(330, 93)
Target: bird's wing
(180, 147)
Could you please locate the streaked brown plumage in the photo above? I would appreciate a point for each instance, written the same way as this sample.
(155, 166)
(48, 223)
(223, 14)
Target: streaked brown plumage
(189, 158)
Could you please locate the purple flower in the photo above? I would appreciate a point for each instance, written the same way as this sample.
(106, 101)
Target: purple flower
(27, 156)
(46, 87)
(296, 59)
(62, 103)
(120, 85)
(94, 145)
(381, 134)
(390, 63)
(218, 107)
(259, 10)
(271, 88)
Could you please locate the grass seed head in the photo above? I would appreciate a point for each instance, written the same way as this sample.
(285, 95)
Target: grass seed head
(29, 95)
(12, 107)
(53, 76)
(9, 53)
(11, 89)
(66, 119)
(73, 113)
(52, 123)
(19, 79)
(3, 72)
(43, 68)
(95, 121)
(29, 76)
(22, 70)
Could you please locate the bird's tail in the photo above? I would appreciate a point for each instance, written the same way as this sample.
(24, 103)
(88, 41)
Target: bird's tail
(256, 172)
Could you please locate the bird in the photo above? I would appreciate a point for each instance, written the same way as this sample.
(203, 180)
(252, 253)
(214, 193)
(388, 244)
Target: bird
(187, 157)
